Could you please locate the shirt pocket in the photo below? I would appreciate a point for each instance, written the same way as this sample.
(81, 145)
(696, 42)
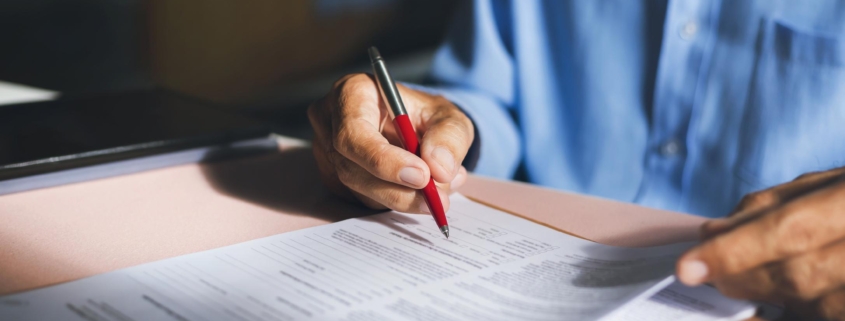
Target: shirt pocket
(794, 121)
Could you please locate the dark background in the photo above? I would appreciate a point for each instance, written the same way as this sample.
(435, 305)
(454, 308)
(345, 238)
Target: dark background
(267, 59)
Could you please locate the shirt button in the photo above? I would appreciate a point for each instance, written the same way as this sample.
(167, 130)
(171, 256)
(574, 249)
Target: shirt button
(688, 30)
(670, 148)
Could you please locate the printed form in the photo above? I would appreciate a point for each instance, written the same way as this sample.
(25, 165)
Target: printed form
(391, 266)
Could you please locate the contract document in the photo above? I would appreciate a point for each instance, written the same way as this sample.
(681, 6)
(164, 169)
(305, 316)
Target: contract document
(392, 266)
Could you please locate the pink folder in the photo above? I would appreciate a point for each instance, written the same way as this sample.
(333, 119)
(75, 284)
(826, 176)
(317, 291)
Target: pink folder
(67, 232)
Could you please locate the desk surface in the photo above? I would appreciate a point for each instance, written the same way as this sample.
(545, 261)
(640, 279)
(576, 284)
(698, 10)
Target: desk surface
(64, 233)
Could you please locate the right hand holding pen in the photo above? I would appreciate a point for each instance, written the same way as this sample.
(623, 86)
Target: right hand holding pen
(358, 150)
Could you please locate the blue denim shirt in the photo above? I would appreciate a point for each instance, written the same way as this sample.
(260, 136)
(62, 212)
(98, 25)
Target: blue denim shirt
(680, 105)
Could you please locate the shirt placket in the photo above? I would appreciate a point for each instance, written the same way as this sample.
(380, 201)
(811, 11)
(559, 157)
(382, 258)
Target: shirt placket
(678, 71)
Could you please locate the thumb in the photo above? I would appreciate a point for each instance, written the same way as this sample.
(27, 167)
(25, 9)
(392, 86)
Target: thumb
(446, 140)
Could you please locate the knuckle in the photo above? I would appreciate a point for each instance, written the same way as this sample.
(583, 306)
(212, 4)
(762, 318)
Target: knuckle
(355, 82)
(351, 86)
(454, 111)
(341, 82)
(759, 199)
(457, 127)
(731, 255)
(805, 176)
(794, 233)
(358, 77)
(463, 118)
(451, 132)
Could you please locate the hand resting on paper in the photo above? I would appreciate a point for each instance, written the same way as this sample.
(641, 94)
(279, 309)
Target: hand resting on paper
(359, 154)
(784, 245)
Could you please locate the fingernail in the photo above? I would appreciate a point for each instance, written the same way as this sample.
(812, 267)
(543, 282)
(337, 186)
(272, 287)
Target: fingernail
(445, 158)
(412, 175)
(424, 208)
(693, 272)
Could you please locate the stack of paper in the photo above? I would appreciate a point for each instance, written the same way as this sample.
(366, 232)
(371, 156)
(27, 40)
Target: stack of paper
(393, 266)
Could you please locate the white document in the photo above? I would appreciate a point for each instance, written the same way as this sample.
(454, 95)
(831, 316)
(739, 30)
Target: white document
(678, 302)
(389, 266)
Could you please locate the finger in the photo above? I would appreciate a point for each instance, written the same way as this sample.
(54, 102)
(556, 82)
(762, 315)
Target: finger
(328, 172)
(363, 144)
(783, 192)
(319, 115)
(356, 136)
(380, 193)
(448, 134)
(755, 204)
(804, 277)
(832, 306)
(805, 224)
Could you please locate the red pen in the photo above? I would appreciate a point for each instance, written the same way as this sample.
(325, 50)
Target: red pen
(407, 134)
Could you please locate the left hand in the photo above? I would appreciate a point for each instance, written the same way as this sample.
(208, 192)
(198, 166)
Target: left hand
(783, 245)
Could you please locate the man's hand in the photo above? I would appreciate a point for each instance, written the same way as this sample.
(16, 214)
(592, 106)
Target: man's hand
(783, 245)
(358, 153)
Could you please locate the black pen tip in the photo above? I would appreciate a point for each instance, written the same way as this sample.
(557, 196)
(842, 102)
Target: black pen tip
(374, 54)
